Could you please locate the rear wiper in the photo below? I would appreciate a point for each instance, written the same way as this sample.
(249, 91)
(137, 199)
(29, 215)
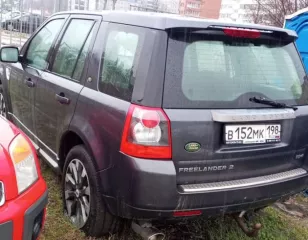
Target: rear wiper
(271, 103)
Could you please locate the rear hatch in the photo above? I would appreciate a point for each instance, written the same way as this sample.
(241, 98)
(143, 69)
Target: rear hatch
(218, 132)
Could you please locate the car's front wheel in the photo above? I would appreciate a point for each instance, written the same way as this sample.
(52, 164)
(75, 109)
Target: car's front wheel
(83, 202)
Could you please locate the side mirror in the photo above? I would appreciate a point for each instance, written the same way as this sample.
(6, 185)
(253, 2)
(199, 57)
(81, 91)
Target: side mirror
(9, 54)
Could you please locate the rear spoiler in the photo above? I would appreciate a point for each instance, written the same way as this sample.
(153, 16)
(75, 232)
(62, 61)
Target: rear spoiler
(194, 23)
(247, 31)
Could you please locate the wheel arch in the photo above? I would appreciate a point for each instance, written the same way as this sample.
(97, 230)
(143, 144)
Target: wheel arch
(70, 139)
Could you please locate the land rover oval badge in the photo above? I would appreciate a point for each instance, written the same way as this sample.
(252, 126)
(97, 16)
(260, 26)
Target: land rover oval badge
(192, 147)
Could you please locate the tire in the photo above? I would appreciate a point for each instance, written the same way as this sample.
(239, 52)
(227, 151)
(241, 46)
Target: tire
(87, 197)
(3, 103)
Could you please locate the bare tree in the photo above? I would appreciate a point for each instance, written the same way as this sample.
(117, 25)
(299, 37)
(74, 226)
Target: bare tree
(273, 12)
(256, 13)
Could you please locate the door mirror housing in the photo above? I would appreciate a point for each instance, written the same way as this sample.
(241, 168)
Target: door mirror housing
(9, 54)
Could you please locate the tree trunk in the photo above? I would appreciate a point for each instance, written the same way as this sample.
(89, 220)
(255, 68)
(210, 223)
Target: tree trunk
(105, 4)
(296, 6)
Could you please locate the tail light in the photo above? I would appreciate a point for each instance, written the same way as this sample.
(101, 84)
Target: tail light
(242, 33)
(147, 133)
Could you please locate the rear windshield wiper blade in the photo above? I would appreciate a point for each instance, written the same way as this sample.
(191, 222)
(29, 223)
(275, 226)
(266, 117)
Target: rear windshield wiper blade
(271, 103)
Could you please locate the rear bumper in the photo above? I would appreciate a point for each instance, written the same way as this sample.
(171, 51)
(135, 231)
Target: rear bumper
(19, 216)
(148, 190)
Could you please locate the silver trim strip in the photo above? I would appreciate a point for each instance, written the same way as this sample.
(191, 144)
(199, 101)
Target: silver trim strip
(2, 200)
(242, 183)
(34, 144)
(52, 162)
(250, 115)
(49, 159)
(29, 131)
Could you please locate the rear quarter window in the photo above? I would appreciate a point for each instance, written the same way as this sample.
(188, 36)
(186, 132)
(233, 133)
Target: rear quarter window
(121, 60)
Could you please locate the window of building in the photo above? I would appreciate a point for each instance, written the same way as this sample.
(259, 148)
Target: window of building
(193, 5)
(225, 15)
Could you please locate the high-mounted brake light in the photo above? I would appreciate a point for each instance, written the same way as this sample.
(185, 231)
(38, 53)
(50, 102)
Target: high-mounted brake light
(242, 33)
(147, 133)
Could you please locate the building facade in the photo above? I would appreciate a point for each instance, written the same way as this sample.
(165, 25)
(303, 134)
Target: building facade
(200, 8)
(190, 8)
(169, 6)
(125, 5)
(172, 6)
(78, 4)
(237, 10)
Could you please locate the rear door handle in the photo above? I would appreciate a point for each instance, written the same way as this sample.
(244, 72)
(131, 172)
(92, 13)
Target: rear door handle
(29, 83)
(62, 99)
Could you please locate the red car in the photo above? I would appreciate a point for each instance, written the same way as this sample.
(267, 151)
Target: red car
(23, 192)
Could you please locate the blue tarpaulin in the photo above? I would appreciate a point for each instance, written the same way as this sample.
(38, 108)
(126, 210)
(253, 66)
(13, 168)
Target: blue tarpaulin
(299, 23)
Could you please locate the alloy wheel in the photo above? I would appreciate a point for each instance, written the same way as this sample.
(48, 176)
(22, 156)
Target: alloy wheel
(2, 106)
(77, 193)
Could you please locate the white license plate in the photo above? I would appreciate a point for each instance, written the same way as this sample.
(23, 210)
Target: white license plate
(252, 134)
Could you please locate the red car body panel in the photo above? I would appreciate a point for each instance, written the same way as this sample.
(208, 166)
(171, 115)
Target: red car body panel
(15, 209)
(16, 205)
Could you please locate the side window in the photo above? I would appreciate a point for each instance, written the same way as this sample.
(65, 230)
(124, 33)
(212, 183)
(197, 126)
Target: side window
(82, 57)
(119, 62)
(40, 45)
(72, 49)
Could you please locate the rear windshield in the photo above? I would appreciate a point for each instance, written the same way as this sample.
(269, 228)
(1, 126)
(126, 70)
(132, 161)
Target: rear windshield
(214, 71)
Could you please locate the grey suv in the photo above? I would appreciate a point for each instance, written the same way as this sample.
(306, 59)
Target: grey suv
(158, 117)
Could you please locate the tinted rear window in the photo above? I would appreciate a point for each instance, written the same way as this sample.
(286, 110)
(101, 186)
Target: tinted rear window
(121, 60)
(215, 71)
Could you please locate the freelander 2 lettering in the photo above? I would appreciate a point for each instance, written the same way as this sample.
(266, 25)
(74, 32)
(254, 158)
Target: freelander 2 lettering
(207, 169)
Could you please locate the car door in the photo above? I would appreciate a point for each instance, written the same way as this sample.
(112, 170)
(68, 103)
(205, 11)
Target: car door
(23, 76)
(59, 87)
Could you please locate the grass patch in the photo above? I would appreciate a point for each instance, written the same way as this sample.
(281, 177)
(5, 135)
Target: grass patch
(276, 225)
(56, 226)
